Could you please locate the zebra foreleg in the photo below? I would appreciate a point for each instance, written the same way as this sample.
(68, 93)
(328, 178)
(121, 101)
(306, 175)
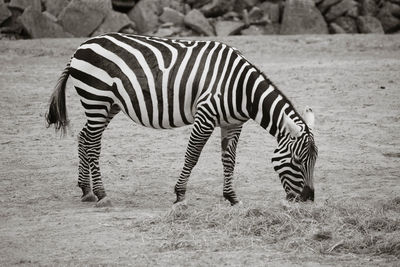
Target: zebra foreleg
(229, 139)
(201, 132)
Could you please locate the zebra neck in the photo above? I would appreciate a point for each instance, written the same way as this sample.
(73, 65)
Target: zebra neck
(267, 104)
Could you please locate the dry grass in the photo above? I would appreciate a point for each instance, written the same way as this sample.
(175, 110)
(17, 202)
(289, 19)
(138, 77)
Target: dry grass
(331, 227)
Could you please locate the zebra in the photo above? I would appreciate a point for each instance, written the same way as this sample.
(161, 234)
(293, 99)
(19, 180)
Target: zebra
(166, 83)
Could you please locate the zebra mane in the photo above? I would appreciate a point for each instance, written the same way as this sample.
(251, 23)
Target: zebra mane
(284, 97)
(312, 147)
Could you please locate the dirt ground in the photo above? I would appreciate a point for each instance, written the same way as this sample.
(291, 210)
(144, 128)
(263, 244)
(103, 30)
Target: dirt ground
(352, 83)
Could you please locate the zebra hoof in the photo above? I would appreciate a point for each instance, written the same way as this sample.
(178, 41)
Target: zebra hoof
(89, 197)
(104, 202)
(238, 204)
(181, 205)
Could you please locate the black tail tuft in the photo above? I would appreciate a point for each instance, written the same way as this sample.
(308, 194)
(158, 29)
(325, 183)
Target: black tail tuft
(57, 113)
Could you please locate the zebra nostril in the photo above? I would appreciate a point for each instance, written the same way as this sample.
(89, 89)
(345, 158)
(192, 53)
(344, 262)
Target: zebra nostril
(307, 194)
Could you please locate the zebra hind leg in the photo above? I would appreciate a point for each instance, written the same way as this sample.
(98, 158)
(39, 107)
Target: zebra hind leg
(229, 139)
(96, 125)
(84, 170)
(201, 132)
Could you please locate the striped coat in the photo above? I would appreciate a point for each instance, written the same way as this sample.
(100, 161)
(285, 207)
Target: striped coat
(164, 83)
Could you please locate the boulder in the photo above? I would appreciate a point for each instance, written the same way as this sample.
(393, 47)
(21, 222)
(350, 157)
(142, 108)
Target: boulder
(348, 24)
(241, 5)
(336, 29)
(272, 28)
(167, 31)
(122, 5)
(368, 8)
(23, 4)
(231, 15)
(12, 24)
(394, 9)
(145, 15)
(56, 6)
(326, 4)
(196, 4)
(226, 28)
(217, 8)
(171, 15)
(253, 30)
(255, 14)
(75, 20)
(40, 26)
(50, 16)
(178, 5)
(340, 9)
(369, 24)
(5, 13)
(302, 17)
(272, 10)
(114, 22)
(385, 15)
(196, 21)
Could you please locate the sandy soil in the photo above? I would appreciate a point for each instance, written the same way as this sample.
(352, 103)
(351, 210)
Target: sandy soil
(352, 83)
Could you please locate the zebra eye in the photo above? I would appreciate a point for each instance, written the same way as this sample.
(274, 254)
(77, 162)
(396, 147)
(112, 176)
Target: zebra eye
(296, 160)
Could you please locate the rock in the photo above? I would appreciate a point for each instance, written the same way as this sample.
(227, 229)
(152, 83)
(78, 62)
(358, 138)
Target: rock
(196, 4)
(368, 8)
(394, 9)
(255, 14)
(128, 30)
(178, 5)
(226, 28)
(369, 24)
(167, 31)
(302, 17)
(114, 22)
(253, 30)
(348, 24)
(40, 26)
(245, 17)
(272, 28)
(231, 15)
(5, 13)
(336, 29)
(171, 15)
(269, 29)
(340, 9)
(49, 16)
(385, 15)
(272, 10)
(217, 8)
(12, 25)
(145, 15)
(326, 4)
(122, 5)
(56, 6)
(241, 5)
(74, 17)
(23, 4)
(196, 21)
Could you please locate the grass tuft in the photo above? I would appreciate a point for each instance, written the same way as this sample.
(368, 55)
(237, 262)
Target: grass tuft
(329, 227)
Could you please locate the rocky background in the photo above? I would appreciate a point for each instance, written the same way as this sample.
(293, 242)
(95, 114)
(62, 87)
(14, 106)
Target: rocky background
(84, 18)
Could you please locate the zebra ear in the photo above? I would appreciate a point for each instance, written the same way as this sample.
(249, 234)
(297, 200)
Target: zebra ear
(309, 117)
(291, 126)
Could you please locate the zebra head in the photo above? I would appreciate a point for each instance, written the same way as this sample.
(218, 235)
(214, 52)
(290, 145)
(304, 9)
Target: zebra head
(295, 157)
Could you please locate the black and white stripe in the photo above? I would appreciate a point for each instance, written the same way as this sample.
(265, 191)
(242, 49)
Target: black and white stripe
(164, 83)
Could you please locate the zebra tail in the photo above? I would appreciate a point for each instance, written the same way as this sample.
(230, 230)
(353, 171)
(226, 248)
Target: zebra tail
(57, 113)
